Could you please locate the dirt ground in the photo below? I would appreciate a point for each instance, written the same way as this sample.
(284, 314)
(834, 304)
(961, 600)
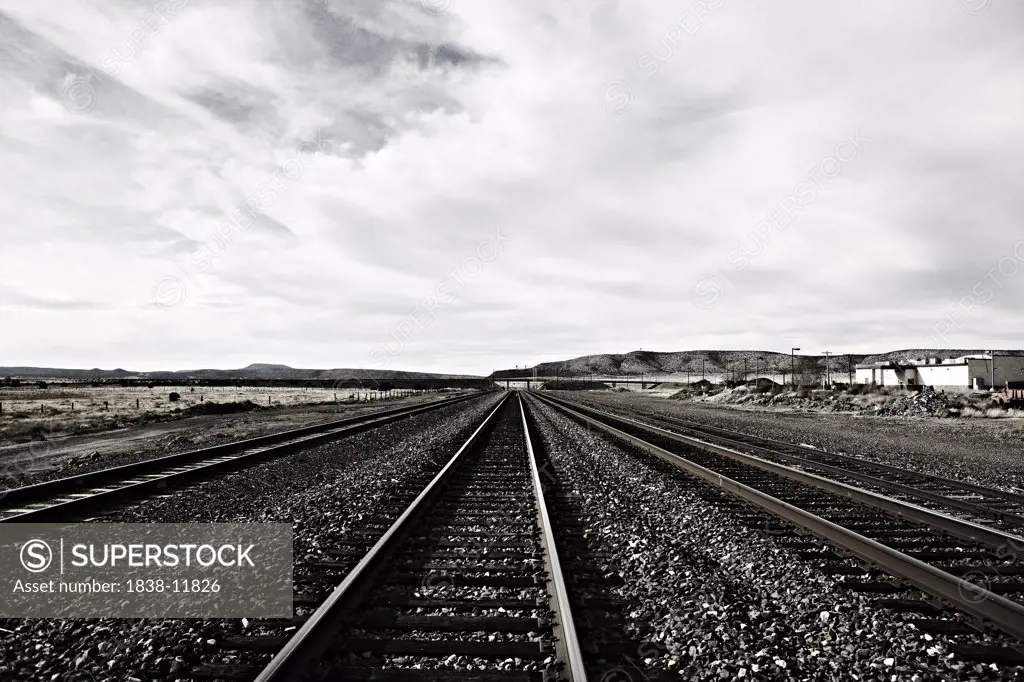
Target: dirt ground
(26, 463)
(986, 451)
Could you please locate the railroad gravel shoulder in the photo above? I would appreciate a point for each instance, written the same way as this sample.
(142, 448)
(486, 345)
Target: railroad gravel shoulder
(986, 452)
(326, 492)
(720, 600)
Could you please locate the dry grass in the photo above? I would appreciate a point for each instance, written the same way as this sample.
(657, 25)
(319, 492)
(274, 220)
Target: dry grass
(35, 413)
(992, 413)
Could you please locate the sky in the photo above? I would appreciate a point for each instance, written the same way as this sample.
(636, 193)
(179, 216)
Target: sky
(469, 185)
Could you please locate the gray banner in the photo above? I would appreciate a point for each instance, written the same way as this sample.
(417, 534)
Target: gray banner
(146, 570)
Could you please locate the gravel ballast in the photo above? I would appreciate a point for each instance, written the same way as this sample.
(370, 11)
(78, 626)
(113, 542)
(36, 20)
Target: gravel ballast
(326, 491)
(721, 600)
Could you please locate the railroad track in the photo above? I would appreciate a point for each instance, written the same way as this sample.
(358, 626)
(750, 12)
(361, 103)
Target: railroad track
(997, 508)
(466, 583)
(963, 578)
(80, 497)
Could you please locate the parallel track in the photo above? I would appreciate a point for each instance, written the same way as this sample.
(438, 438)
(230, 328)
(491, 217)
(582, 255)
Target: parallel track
(468, 572)
(919, 548)
(999, 508)
(81, 496)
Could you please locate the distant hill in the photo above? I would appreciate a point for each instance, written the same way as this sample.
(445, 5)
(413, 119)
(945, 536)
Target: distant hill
(718, 361)
(252, 372)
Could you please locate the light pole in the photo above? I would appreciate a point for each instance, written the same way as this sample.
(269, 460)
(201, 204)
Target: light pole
(792, 365)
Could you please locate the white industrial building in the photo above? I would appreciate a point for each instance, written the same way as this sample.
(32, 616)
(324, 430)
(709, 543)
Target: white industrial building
(966, 372)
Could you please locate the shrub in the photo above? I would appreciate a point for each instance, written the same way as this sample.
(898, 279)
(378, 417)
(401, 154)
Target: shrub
(174, 396)
(42, 384)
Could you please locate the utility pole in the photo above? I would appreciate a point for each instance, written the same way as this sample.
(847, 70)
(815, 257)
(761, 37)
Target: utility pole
(993, 354)
(828, 376)
(744, 370)
(702, 369)
(792, 364)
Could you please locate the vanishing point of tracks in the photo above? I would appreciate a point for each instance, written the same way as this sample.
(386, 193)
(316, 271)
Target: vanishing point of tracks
(466, 584)
(460, 575)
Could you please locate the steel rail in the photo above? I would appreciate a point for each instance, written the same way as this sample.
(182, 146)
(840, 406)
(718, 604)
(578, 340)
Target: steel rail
(888, 468)
(960, 528)
(569, 641)
(902, 488)
(736, 438)
(967, 597)
(226, 456)
(315, 636)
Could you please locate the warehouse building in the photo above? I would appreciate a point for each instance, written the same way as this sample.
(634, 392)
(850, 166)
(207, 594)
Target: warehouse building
(966, 372)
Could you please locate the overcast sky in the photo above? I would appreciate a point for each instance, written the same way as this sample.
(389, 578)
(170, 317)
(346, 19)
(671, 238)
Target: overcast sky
(470, 185)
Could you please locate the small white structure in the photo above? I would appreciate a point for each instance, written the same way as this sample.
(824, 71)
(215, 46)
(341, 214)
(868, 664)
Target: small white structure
(965, 372)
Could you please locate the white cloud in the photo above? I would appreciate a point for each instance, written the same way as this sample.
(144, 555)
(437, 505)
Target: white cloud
(119, 172)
